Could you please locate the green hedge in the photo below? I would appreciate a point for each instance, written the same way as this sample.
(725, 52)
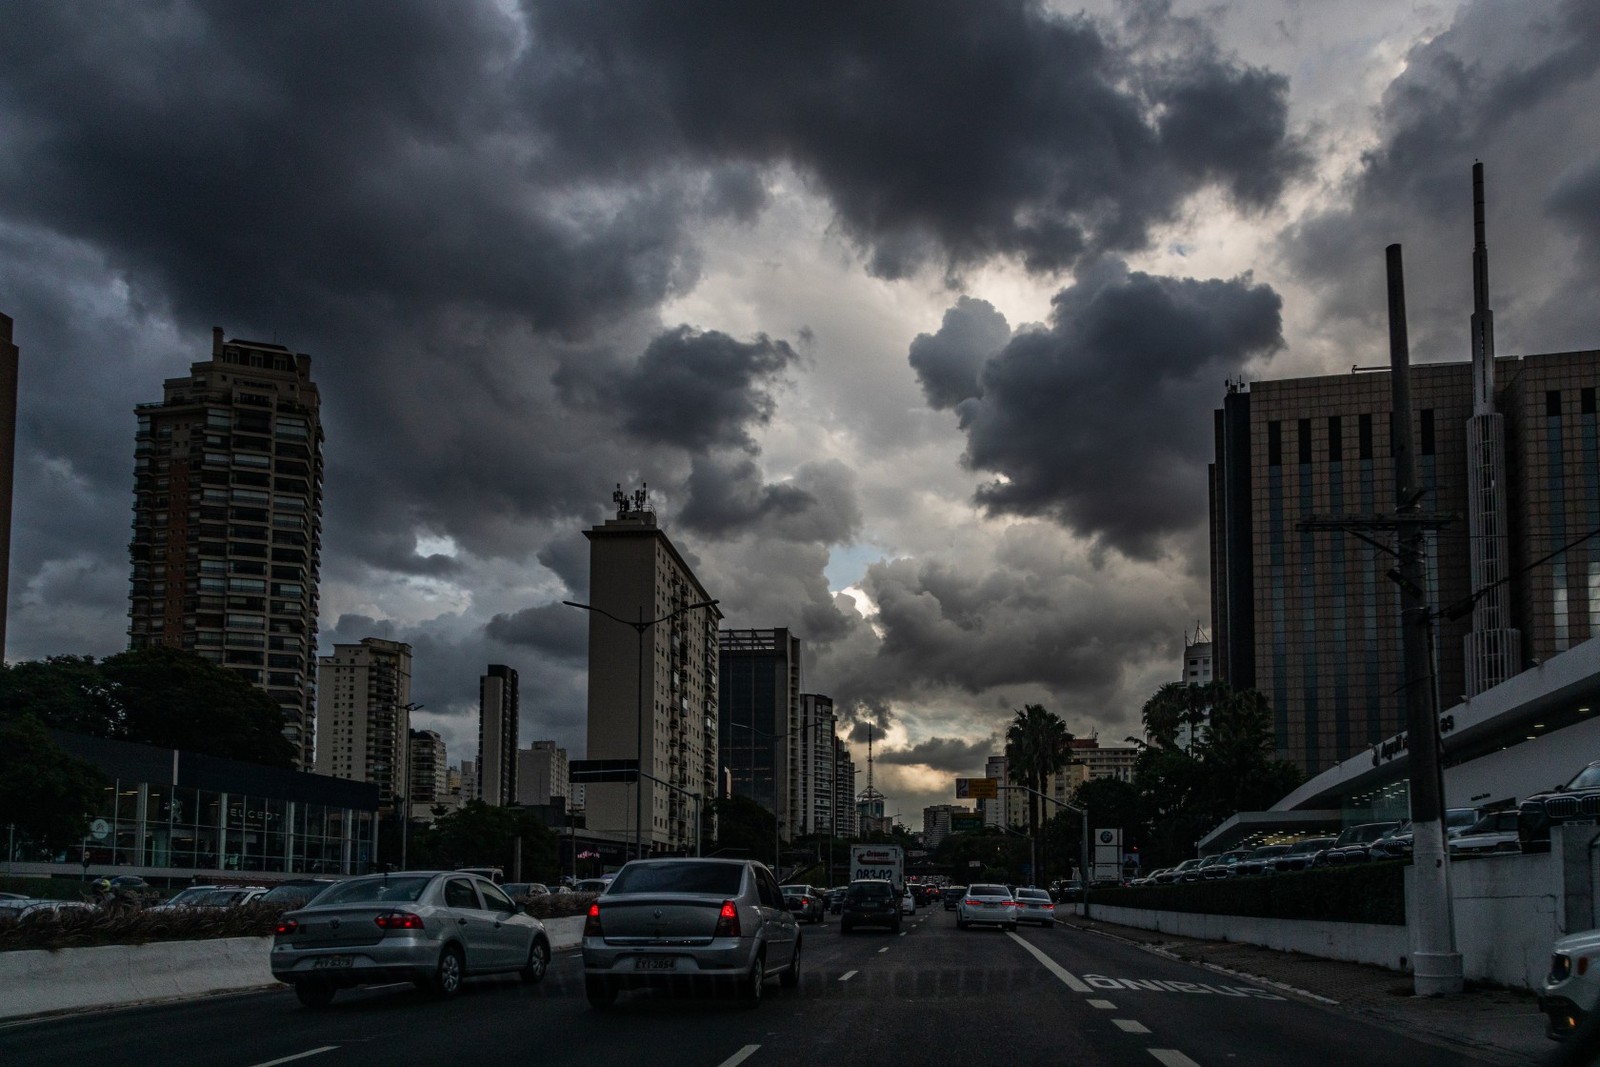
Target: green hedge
(1363, 893)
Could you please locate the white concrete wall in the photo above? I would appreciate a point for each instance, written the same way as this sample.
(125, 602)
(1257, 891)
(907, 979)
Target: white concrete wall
(1386, 946)
(1507, 910)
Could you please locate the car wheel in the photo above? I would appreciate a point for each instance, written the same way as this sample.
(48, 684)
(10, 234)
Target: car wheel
(1012, 927)
(962, 924)
(791, 978)
(314, 994)
(895, 929)
(845, 929)
(750, 991)
(538, 962)
(600, 993)
(449, 972)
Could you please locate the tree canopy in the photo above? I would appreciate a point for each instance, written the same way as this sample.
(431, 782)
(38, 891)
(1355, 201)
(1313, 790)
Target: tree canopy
(46, 794)
(153, 696)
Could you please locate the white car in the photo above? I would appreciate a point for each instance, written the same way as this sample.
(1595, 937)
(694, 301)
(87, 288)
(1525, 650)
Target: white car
(1572, 988)
(908, 903)
(1035, 906)
(987, 904)
(1495, 832)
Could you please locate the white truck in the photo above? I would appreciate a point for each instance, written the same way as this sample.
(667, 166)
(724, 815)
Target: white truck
(879, 861)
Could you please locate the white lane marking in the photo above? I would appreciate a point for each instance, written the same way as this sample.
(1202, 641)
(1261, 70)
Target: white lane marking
(1103, 1005)
(297, 1056)
(1171, 1057)
(847, 976)
(1072, 981)
(1129, 1026)
(885, 948)
(739, 1057)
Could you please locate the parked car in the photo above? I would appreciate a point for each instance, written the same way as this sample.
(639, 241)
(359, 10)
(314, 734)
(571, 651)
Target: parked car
(1579, 798)
(870, 902)
(952, 895)
(432, 928)
(835, 898)
(1351, 844)
(592, 885)
(805, 901)
(1178, 873)
(297, 892)
(1035, 906)
(1226, 864)
(1298, 856)
(1197, 873)
(1069, 891)
(1261, 860)
(523, 892)
(216, 896)
(666, 922)
(989, 904)
(1572, 988)
(30, 909)
(1497, 831)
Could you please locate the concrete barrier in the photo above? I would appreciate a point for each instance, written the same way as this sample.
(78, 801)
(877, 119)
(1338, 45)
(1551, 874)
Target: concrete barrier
(1386, 946)
(38, 982)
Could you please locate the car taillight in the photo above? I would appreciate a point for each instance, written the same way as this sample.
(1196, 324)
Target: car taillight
(970, 902)
(399, 920)
(1008, 903)
(727, 921)
(286, 927)
(591, 922)
(1049, 907)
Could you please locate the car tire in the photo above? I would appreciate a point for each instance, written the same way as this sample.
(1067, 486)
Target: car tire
(1011, 927)
(962, 924)
(750, 989)
(538, 962)
(448, 973)
(845, 929)
(601, 994)
(314, 994)
(790, 979)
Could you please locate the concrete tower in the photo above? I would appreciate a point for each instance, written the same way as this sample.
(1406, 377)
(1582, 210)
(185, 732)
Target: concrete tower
(8, 455)
(1492, 647)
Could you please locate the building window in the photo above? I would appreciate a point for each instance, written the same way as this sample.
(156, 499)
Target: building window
(1304, 429)
(1335, 441)
(1364, 437)
(1427, 431)
(1552, 403)
(1586, 399)
(1274, 444)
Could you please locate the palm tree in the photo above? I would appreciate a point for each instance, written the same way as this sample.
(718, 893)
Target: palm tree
(1175, 705)
(1038, 744)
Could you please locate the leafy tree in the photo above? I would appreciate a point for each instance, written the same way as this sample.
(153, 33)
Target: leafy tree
(1038, 745)
(1175, 705)
(481, 835)
(999, 856)
(46, 793)
(743, 828)
(152, 696)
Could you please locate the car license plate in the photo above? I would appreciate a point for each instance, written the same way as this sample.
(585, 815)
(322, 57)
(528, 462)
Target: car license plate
(323, 963)
(655, 963)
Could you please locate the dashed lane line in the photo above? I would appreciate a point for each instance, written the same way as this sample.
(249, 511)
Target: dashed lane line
(1171, 1057)
(1103, 1005)
(1073, 982)
(739, 1057)
(297, 1056)
(1130, 1026)
(847, 976)
(885, 948)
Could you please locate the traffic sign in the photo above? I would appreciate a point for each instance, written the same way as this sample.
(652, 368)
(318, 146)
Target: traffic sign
(977, 788)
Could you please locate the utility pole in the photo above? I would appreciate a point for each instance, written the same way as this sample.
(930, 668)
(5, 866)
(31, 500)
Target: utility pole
(1436, 965)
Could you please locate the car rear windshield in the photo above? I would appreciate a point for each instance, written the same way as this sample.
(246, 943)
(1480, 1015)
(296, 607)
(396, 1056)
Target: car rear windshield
(716, 879)
(868, 890)
(1032, 894)
(989, 891)
(365, 890)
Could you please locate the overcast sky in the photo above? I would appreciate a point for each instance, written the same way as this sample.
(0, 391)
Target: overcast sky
(912, 315)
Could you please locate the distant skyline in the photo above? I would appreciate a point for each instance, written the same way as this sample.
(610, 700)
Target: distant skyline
(912, 315)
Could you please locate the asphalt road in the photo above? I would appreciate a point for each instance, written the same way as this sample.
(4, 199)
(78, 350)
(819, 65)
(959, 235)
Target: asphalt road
(932, 995)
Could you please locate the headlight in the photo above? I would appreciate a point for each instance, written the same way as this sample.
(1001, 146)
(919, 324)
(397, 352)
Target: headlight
(1560, 967)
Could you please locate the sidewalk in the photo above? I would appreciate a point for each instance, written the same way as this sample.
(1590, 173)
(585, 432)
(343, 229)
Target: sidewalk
(1501, 1026)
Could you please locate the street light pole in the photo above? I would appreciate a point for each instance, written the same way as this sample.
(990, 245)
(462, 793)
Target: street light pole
(638, 737)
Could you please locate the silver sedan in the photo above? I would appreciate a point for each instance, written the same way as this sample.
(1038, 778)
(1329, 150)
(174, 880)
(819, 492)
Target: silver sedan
(1035, 906)
(675, 923)
(987, 904)
(432, 928)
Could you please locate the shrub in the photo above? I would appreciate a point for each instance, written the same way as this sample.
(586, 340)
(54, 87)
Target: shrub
(1361, 893)
(121, 925)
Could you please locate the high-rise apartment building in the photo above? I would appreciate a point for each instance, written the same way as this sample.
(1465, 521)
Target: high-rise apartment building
(759, 695)
(936, 822)
(652, 680)
(543, 774)
(227, 522)
(814, 745)
(364, 725)
(9, 354)
(844, 792)
(499, 706)
(1197, 669)
(430, 773)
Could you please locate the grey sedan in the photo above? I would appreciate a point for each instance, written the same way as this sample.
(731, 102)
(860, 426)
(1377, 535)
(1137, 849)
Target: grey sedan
(675, 923)
(432, 928)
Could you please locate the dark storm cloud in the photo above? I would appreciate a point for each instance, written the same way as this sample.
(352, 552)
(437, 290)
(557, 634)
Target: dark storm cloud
(1575, 202)
(1508, 84)
(944, 754)
(935, 129)
(948, 362)
(727, 496)
(1102, 420)
(553, 629)
(702, 390)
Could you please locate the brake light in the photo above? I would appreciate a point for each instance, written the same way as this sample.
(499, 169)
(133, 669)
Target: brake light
(591, 922)
(727, 921)
(286, 927)
(1008, 903)
(970, 902)
(399, 920)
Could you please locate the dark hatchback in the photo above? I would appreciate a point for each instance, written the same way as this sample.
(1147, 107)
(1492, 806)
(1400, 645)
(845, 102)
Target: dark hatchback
(870, 902)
